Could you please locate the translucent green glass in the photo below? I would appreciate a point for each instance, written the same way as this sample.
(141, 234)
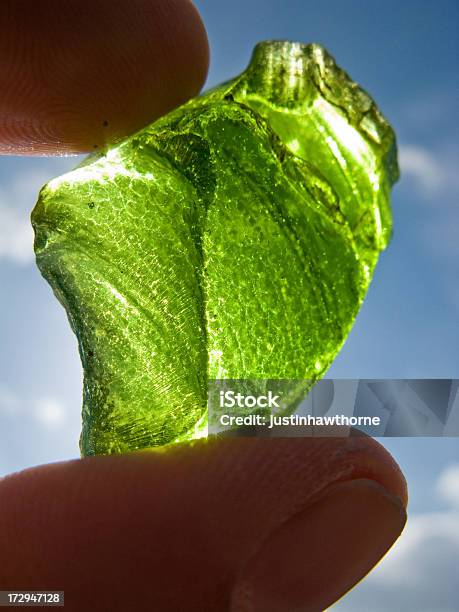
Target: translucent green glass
(233, 238)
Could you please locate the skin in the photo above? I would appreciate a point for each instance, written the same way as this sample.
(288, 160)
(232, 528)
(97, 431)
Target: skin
(235, 524)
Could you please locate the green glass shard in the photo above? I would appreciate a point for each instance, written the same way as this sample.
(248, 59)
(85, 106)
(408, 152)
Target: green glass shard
(233, 238)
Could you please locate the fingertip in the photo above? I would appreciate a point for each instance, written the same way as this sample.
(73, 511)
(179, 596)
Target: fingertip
(323, 551)
(178, 526)
(76, 80)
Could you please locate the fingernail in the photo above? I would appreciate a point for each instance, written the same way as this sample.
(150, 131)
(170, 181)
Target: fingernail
(321, 552)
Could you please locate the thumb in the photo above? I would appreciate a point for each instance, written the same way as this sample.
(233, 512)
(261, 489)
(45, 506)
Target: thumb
(241, 524)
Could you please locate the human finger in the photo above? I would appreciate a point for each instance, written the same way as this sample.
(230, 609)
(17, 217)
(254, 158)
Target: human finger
(242, 524)
(74, 77)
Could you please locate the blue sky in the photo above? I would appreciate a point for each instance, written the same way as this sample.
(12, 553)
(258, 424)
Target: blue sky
(406, 55)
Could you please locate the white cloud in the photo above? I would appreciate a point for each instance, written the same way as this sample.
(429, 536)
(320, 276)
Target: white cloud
(434, 173)
(47, 411)
(433, 176)
(17, 198)
(420, 164)
(420, 573)
(18, 195)
(448, 485)
(36, 429)
(50, 413)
